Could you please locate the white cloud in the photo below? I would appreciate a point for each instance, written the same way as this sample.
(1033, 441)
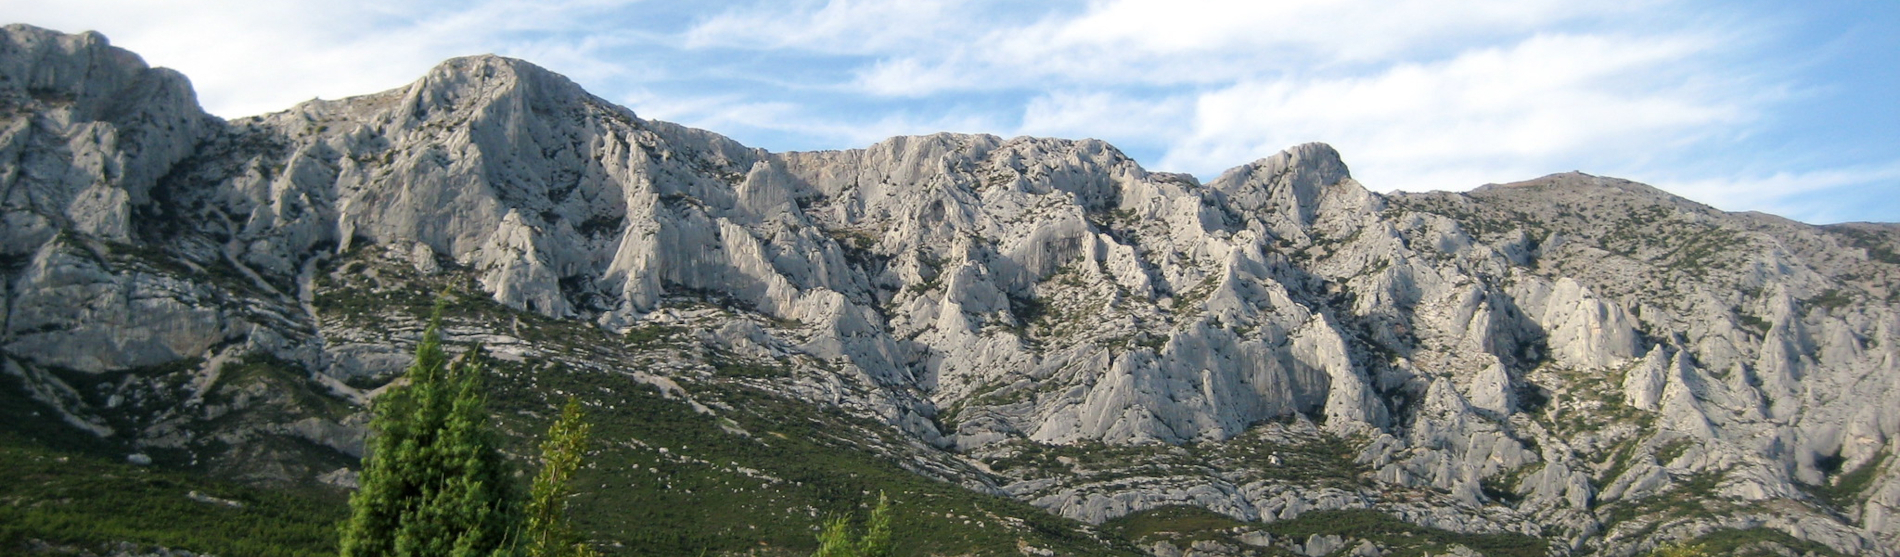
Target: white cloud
(1076, 114)
(908, 77)
(1549, 100)
(835, 26)
(1333, 30)
(654, 106)
(247, 57)
(923, 47)
(736, 114)
(1807, 196)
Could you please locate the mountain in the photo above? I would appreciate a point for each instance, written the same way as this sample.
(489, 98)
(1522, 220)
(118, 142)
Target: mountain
(1033, 345)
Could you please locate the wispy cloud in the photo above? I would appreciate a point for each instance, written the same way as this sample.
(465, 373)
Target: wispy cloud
(1813, 196)
(735, 114)
(1143, 41)
(1087, 114)
(251, 57)
(1549, 100)
(835, 27)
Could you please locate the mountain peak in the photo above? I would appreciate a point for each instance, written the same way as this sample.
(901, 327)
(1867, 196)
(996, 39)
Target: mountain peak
(1314, 155)
(97, 79)
(489, 70)
(1585, 190)
(485, 66)
(18, 33)
(466, 81)
(122, 105)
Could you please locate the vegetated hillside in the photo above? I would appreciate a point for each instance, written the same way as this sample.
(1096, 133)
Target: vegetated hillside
(1033, 345)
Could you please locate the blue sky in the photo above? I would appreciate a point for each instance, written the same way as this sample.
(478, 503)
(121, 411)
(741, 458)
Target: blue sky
(1791, 108)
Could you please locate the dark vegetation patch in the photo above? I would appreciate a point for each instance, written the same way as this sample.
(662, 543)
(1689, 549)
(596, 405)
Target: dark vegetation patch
(1181, 525)
(1850, 488)
(1878, 247)
(1759, 542)
(1692, 495)
(1404, 539)
(69, 498)
(1831, 299)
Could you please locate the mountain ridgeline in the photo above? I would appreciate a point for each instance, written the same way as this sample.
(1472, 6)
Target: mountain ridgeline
(1032, 345)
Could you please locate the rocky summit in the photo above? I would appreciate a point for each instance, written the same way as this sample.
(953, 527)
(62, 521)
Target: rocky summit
(1034, 344)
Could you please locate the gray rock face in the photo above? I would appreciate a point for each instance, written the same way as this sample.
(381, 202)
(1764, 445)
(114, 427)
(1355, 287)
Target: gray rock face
(1543, 357)
(91, 132)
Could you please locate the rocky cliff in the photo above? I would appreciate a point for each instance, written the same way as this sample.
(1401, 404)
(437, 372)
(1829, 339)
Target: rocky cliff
(1581, 360)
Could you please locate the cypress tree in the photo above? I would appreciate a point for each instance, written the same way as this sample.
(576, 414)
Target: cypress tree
(433, 483)
(549, 534)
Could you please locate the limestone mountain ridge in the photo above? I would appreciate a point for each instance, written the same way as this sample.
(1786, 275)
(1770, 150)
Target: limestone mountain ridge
(1578, 359)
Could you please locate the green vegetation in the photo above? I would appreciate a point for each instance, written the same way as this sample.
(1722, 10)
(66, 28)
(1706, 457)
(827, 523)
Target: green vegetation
(1152, 341)
(1269, 453)
(300, 391)
(1405, 539)
(218, 271)
(1753, 323)
(73, 498)
(1622, 457)
(1847, 489)
(835, 539)
(652, 336)
(1693, 495)
(1477, 225)
(1640, 230)
(858, 245)
(1589, 401)
(1680, 550)
(1748, 542)
(1699, 251)
(1062, 306)
(1181, 525)
(1878, 247)
(757, 475)
(1832, 299)
(738, 368)
(433, 482)
(1192, 298)
(1319, 460)
(1026, 307)
(1670, 452)
(548, 532)
(1502, 488)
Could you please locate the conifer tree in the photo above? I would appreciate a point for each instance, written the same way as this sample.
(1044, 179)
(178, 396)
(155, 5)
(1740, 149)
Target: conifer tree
(548, 533)
(433, 483)
(835, 539)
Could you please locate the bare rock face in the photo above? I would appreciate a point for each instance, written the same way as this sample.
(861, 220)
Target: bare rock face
(90, 132)
(93, 131)
(1560, 357)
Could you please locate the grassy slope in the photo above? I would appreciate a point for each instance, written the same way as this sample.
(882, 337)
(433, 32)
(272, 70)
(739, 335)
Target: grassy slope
(1184, 525)
(67, 487)
(766, 489)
